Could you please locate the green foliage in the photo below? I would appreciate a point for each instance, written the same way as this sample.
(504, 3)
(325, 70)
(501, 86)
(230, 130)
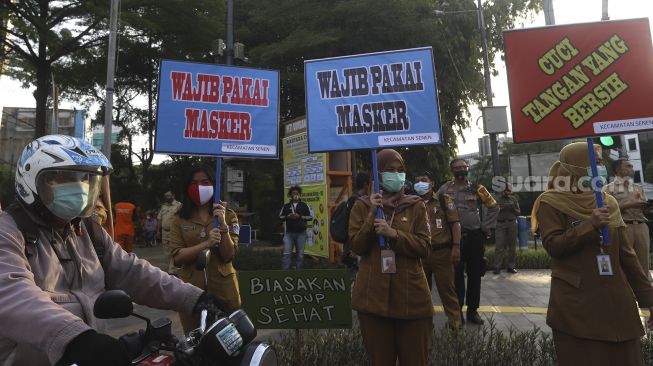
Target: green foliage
(486, 345)
(529, 259)
(249, 259)
(7, 190)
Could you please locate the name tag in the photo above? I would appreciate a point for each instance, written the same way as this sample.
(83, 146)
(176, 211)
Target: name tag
(605, 266)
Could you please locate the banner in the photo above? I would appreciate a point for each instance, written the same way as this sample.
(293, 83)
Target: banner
(307, 299)
(309, 172)
(580, 80)
(207, 109)
(371, 101)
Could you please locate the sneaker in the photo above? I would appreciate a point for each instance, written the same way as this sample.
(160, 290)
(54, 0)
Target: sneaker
(511, 270)
(474, 318)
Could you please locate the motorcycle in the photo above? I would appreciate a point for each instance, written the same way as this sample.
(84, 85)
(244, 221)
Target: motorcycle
(221, 339)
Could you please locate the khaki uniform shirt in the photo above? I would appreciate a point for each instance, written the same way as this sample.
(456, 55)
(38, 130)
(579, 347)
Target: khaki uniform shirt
(405, 294)
(469, 208)
(507, 214)
(441, 219)
(221, 275)
(627, 192)
(167, 213)
(583, 303)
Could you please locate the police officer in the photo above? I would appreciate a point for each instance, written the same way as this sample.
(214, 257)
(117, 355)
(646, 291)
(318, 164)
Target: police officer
(506, 233)
(469, 199)
(445, 245)
(632, 204)
(165, 218)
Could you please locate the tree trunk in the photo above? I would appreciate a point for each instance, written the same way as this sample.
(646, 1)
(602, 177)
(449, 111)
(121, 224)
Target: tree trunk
(41, 96)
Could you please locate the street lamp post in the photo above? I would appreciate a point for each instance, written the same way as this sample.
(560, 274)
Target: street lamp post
(496, 169)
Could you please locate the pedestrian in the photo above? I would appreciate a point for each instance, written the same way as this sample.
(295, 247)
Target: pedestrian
(52, 269)
(149, 229)
(445, 245)
(592, 309)
(193, 232)
(166, 216)
(361, 188)
(470, 198)
(295, 214)
(506, 232)
(633, 205)
(126, 215)
(391, 294)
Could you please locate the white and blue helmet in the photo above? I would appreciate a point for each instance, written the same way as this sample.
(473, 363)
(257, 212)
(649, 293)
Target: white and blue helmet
(49, 157)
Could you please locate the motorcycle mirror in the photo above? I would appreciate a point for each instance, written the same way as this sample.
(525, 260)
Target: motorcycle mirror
(202, 260)
(113, 304)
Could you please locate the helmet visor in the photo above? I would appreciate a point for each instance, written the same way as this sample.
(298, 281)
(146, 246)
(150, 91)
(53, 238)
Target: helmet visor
(68, 193)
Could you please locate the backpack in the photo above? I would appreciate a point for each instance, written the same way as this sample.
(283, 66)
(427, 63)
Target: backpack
(30, 232)
(339, 225)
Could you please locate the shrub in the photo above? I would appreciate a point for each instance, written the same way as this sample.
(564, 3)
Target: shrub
(529, 259)
(471, 346)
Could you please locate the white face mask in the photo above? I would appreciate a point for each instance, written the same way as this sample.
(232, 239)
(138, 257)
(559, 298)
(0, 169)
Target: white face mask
(422, 188)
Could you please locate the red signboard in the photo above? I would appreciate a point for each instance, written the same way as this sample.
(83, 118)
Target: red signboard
(580, 80)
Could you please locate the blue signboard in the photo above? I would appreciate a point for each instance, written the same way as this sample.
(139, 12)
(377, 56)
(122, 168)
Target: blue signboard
(206, 109)
(371, 101)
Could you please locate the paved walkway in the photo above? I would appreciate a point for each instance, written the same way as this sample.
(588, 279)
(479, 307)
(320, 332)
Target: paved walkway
(510, 300)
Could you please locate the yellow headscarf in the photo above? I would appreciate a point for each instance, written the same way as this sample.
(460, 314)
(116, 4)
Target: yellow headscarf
(562, 189)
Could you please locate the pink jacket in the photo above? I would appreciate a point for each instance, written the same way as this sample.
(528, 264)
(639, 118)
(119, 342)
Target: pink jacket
(46, 301)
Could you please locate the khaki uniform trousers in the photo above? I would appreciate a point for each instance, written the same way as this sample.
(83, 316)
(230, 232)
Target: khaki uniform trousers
(506, 246)
(438, 265)
(388, 340)
(165, 235)
(573, 351)
(638, 235)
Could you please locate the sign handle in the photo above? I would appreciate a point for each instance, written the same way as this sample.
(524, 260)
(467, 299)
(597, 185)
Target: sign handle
(379, 211)
(216, 194)
(605, 238)
(298, 349)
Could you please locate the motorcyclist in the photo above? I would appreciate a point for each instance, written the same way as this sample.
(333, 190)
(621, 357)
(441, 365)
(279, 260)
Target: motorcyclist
(49, 280)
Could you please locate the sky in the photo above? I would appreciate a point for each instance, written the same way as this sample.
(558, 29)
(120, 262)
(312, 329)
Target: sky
(566, 12)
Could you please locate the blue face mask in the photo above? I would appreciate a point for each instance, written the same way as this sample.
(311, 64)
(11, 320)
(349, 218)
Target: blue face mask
(602, 175)
(69, 201)
(392, 181)
(422, 188)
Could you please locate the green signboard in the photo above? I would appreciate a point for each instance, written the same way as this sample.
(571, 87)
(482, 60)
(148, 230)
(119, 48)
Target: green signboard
(307, 299)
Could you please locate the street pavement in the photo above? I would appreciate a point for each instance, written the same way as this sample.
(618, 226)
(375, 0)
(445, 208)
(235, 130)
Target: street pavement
(517, 301)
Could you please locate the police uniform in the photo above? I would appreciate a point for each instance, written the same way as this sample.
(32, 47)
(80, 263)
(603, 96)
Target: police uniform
(469, 200)
(395, 311)
(438, 263)
(166, 217)
(222, 279)
(506, 232)
(625, 191)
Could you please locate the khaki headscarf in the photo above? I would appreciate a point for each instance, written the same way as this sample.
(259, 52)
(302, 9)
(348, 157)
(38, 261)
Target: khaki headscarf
(573, 164)
(395, 202)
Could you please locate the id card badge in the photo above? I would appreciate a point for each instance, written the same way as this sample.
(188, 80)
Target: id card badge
(388, 264)
(605, 267)
(438, 223)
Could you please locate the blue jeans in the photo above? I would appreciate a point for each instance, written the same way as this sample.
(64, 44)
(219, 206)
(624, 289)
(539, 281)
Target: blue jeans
(298, 240)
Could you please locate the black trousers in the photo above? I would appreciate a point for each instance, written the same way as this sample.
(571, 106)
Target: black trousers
(472, 249)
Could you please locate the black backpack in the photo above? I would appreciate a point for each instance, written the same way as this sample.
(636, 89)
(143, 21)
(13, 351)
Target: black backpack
(339, 226)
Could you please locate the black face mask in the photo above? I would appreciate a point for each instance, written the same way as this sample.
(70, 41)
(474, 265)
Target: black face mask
(462, 174)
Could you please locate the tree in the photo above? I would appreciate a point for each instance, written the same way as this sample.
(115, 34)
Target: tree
(42, 33)
(319, 29)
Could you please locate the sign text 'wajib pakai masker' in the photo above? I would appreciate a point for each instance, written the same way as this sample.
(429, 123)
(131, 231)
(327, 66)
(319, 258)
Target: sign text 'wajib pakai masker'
(580, 80)
(206, 109)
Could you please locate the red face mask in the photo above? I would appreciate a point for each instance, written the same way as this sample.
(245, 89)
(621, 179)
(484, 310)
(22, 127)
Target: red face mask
(200, 194)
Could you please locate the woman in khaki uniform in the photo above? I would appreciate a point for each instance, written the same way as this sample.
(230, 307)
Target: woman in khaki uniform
(391, 294)
(192, 232)
(592, 308)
